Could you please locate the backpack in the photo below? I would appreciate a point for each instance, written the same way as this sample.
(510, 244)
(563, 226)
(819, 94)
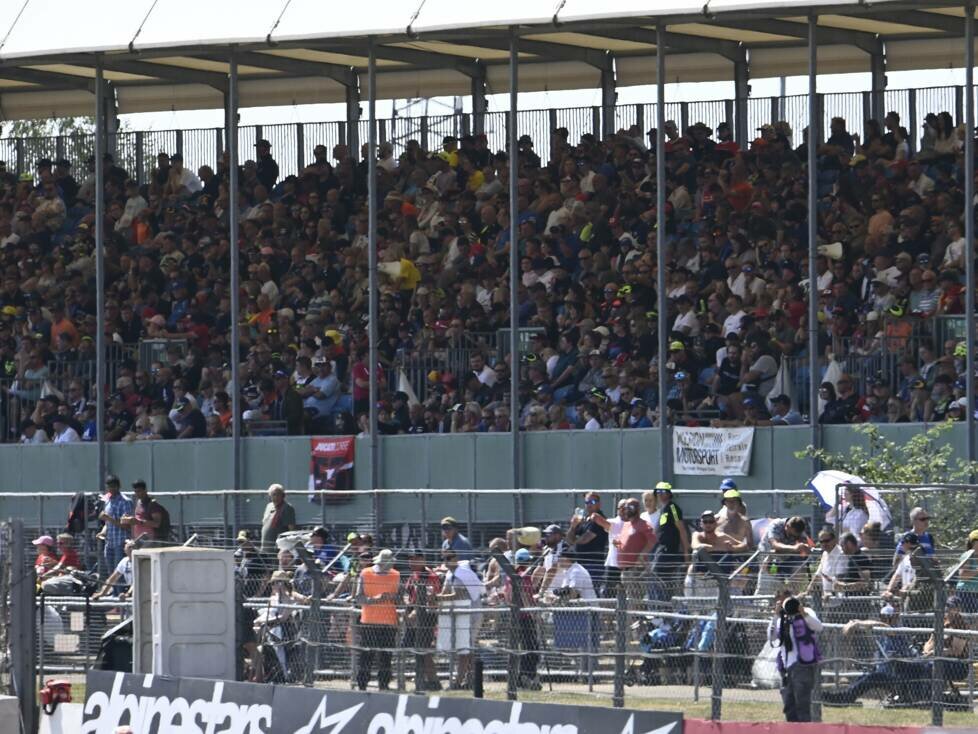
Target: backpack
(165, 530)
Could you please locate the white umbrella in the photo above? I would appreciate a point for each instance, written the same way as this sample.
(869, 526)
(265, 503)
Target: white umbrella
(824, 483)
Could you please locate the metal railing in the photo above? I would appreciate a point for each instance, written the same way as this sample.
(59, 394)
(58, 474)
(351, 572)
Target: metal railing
(292, 143)
(707, 650)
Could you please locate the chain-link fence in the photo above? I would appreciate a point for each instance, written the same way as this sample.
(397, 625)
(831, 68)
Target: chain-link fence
(524, 616)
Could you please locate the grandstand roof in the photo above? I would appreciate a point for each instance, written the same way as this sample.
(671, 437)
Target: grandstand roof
(172, 54)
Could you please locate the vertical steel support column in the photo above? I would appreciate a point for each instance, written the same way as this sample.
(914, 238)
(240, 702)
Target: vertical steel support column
(969, 215)
(479, 101)
(741, 93)
(233, 216)
(100, 266)
(877, 71)
(665, 450)
(813, 139)
(609, 97)
(300, 147)
(373, 282)
(514, 280)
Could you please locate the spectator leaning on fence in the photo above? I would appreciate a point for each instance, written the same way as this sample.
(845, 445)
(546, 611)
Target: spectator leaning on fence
(783, 548)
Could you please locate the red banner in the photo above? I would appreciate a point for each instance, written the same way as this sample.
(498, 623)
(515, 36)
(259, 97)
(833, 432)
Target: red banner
(331, 468)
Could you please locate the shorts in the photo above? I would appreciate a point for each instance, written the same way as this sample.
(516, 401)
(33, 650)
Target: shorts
(419, 638)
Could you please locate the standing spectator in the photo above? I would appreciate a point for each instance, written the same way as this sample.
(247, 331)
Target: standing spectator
(525, 623)
(420, 591)
(150, 518)
(673, 546)
(459, 632)
(588, 537)
(116, 534)
(792, 632)
(634, 543)
(453, 540)
(267, 171)
(377, 594)
(279, 517)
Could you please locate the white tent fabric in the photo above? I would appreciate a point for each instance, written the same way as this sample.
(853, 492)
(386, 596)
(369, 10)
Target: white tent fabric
(423, 45)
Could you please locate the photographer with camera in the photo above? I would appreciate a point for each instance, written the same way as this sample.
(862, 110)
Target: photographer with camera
(792, 633)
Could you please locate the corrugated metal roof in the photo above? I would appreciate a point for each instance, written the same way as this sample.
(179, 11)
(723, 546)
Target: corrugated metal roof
(432, 46)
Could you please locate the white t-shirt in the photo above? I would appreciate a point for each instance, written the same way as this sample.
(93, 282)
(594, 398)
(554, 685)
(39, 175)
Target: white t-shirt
(592, 425)
(832, 565)
(687, 323)
(615, 526)
(575, 577)
(906, 572)
(124, 569)
(463, 575)
(732, 324)
(68, 435)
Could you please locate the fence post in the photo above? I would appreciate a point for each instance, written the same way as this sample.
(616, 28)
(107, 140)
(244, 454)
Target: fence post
(424, 133)
(19, 148)
(180, 142)
(937, 669)
(59, 147)
(23, 639)
(912, 121)
(776, 108)
(720, 632)
(958, 105)
(300, 146)
(381, 131)
(218, 144)
(640, 118)
(621, 642)
(515, 602)
(258, 133)
(140, 159)
(683, 117)
(596, 122)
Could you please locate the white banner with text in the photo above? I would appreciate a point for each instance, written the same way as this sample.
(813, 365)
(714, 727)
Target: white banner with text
(714, 451)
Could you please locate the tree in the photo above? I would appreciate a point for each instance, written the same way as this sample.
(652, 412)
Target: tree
(924, 459)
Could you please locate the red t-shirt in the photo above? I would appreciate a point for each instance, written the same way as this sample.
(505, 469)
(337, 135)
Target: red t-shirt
(634, 536)
(70, 559)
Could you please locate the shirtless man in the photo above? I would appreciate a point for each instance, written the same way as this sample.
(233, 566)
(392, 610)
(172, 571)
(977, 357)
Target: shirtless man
(716, 542)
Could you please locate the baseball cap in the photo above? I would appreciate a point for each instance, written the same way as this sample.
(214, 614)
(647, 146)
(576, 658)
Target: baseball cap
(973, 536)
(263, 143)
(887, 610)
(728, 483)
(43, 540)
(677, 346)
(681, 375)
(552, 528)
(910, 538)
(523, 556)
(662, 487)
(449, 520)
(731, 494)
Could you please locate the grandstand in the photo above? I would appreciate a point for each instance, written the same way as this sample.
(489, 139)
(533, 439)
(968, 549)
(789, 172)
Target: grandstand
(725, 307)
(584, 283)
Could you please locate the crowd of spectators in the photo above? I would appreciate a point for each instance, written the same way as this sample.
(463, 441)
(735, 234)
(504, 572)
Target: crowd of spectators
(890, 221)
